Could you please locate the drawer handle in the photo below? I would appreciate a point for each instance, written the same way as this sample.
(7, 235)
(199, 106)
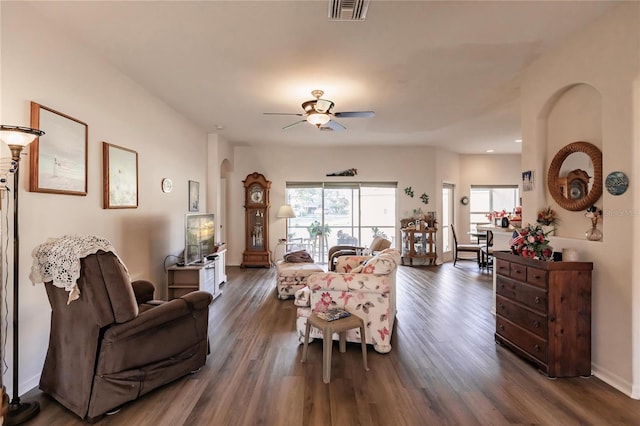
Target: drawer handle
(536, 348)
(537, 300)
(501, 305)
(501, 327)
(536, 323)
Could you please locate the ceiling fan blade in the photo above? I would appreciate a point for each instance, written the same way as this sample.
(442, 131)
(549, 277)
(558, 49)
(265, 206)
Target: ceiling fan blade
(293, 124)
(355, 114)
(282, 113)
(333, 125)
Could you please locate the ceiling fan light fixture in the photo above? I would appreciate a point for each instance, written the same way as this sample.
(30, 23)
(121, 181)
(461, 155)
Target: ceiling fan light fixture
(318, 119)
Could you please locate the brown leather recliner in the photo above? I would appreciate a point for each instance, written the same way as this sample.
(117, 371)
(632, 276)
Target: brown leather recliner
(105, 350)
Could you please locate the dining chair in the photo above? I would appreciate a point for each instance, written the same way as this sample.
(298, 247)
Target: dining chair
(468, 248)
(487, 251)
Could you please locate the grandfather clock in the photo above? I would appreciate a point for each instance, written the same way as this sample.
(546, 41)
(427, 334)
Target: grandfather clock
(256, 205)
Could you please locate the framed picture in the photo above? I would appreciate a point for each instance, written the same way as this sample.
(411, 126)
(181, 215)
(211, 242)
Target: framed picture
(58, 159)
(194, 196)
(527, 181)
(120, 177)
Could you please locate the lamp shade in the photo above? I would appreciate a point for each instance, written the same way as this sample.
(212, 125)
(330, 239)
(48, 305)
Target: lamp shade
(286, 211)
(318, 119)
(16, 135)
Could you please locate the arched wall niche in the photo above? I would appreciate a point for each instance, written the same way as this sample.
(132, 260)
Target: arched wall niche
(572, 114)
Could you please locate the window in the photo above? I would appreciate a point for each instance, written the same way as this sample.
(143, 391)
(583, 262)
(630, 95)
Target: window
(329, 214)
(487, 199)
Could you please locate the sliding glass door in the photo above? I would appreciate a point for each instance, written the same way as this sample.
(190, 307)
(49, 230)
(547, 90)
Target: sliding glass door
(329, 214)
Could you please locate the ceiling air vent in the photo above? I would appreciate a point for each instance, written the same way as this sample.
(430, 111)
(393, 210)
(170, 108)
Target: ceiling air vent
(348, 10)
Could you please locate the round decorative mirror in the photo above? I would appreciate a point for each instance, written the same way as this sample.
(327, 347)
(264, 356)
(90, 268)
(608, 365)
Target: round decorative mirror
(577, 189)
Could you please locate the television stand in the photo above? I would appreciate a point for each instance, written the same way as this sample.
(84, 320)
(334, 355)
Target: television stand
(207, 276)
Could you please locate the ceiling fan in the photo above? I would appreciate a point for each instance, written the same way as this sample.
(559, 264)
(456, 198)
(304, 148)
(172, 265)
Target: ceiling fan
(318, 112)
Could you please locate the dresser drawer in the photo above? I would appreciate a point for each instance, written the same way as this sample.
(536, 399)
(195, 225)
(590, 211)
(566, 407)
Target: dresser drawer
(528, 295)
(528, 342)
(537, 277)
(503, 267)
(525, 318)
(518, 272)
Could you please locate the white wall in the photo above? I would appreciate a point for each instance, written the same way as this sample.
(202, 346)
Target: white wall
(606, 56)
(41, 65)
(494, 169)
(408, 166)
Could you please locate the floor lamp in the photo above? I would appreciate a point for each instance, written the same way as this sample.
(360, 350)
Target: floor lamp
(286, 211)
(17, 138)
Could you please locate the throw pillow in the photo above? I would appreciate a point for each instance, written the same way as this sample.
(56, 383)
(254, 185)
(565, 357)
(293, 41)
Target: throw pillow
(300, 256)
(382, 263)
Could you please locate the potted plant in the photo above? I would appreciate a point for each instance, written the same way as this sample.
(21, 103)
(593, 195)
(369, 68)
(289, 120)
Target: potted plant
(316, 228)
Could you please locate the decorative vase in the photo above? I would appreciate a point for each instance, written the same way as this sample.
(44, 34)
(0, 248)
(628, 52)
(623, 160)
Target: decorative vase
(593, 233)
(549, 230)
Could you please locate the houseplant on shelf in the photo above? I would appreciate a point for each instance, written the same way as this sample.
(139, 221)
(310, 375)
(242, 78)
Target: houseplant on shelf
(531, 242)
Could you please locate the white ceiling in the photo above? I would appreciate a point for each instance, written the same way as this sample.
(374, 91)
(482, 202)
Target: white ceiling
(439, 73)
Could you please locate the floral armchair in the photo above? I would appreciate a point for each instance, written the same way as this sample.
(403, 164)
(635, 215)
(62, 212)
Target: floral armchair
(367, 290)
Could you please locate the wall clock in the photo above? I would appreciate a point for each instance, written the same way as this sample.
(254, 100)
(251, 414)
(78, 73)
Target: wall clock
(167, 185)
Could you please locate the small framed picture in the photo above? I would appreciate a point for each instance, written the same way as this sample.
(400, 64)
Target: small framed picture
(120, 177)
(194, 196)
(527, 181)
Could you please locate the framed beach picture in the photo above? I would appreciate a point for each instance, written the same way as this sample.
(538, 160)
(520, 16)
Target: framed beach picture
(527, 181)
(58, 159)
(194, 196)
(120, 177)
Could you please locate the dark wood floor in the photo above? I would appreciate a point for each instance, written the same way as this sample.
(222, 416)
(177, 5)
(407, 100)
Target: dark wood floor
(444, 368)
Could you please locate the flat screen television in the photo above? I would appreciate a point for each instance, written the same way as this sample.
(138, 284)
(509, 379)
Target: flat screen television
(199, 237)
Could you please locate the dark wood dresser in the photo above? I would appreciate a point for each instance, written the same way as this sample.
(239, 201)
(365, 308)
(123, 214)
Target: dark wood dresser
(543, 313)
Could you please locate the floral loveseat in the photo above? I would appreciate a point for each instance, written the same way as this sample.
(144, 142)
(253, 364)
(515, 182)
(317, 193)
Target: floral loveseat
(367, 290)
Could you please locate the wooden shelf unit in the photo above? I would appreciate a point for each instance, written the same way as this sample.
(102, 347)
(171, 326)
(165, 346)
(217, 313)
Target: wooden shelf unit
(207, 277)
(419, 244)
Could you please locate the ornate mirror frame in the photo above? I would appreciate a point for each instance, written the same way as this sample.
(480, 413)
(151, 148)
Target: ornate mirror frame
(553, 177)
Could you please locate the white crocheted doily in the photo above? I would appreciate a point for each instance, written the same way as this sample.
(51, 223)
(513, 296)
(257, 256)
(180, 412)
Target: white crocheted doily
(58, 260)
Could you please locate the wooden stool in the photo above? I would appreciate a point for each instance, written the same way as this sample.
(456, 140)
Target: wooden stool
(339, 326)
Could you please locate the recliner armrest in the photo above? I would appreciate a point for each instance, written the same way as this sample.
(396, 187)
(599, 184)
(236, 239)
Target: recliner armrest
(160, 315)
(197, 299)
(143, 290)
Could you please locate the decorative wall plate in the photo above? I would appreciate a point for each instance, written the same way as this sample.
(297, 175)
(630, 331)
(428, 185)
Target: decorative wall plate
(167, 185)
(464, 200)
(616, 183)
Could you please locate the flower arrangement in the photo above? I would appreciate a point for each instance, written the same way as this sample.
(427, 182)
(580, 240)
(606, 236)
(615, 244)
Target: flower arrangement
(593, 233)
(547, 216)
(531, 242)
(593, 213)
